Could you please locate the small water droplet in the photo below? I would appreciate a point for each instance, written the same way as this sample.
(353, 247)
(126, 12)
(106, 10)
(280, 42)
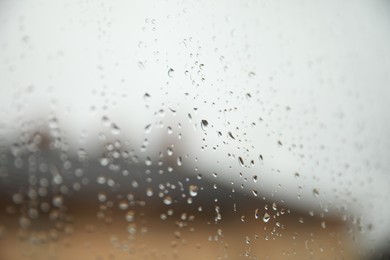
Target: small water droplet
(149, 192)
(251, 74)
(17, 198)
(230, 135)
(146, 97)
(102, 197)
(179, 161)
(57, 201)
(115, 129)
(148, 161)
(171, 72)
(204, 124)
(241, 161)
(105, 120)
(257, 213)
(254, 192)
(316, 192)
(141, 65)
(168, 200)
(104, 161)
(53, 122)
(132, 229)
(148, 129)
(254, 178)
(193, 189)
(130, 216)
(123, 205)
(323, 224)
(266, 217)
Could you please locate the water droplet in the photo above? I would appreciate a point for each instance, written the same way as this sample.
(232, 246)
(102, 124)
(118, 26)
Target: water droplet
(170, 72)
(102, 197)
(230, 135)
(257, 213)
(148, 161)
(53, 122)
(316, 192)
(168, 200)
(193, 189)
(115, 129)
(149, 192)
(101, 179)
(254, 192)
(241, 161)
(251, 74)
(17, 198)
(266, 217)
(148, 129)
(104, 161)
(179, 161)
(141, 65)
(146, 97)
(204, 124)
(254, 178)
(105, 120)
(24, 222)
(57, 201)
(123, 205)
(323, 224)
(132, 229)
(296, 175)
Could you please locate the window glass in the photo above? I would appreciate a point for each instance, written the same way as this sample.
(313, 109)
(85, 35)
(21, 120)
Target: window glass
(194, 129)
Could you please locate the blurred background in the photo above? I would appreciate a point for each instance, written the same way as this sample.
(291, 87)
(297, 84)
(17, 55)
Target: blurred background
(179, 129)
